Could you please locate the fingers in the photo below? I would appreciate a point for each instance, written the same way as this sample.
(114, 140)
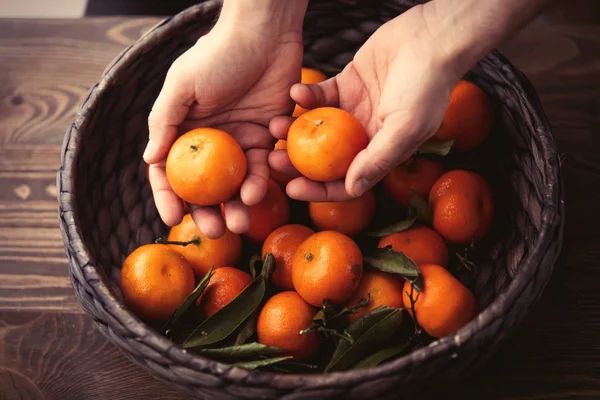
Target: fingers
(208, 220)
(279, 126)
(322, 94)
(397, 140)
(254, 186)
(279, 160)
(306, 190)
(169, 206)
(237, 215)
(168, 112)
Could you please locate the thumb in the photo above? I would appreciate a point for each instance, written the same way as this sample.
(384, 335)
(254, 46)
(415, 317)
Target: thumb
(169, 110)
(394, 143)
(322, 94)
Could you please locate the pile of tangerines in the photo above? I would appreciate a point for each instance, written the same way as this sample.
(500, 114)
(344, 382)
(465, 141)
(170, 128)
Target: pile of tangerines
(319, 286)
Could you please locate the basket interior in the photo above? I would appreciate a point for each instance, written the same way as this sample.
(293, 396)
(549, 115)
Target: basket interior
(115, 208)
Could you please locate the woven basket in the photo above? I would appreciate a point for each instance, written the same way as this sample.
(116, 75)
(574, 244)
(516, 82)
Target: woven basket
(107, 210)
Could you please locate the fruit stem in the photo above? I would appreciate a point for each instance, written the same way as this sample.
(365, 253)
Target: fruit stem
(194, 147)
(319, 122)
(195, 241)
(309, 257)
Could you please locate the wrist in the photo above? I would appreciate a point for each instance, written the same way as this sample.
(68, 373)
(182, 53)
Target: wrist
(272, 16)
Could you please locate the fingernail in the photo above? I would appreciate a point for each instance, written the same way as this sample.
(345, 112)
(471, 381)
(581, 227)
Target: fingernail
(148, 150)
(361, 187)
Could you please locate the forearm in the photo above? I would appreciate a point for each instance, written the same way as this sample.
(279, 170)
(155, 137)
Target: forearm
(469, 29)
(277, 15)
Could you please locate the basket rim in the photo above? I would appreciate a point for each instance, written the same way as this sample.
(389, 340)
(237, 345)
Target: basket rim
(73, 238)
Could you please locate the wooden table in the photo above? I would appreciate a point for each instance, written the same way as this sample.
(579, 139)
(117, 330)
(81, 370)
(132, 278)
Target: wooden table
(50, 350)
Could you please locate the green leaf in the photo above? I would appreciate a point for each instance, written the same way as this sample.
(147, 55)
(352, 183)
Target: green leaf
(252, 265)
(368, 331)
(260, 363)
(249, 327)
(384, 354)
(388, 260)
(436, 147)
(220, 325)
(239, 352)
(400, 226)
(189, 301)
(420, 205)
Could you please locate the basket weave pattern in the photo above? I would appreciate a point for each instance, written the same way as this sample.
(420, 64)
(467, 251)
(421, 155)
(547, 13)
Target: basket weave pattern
(107, 210)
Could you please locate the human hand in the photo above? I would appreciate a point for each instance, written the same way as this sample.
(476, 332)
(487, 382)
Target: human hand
(397, 85)
(235, 78)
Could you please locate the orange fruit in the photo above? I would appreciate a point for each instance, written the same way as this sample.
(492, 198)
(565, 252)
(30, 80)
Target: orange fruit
(419, 175)
(280, 321)
(272, 212)
(225, 285)
(462, 205)
(327, 265)
(348, 217)
(155, 280)
(444, 305)
(283, 243)
(322, 143)
(421, 244)
(309, 76)
(225, 250)
(468, 117)
(384, 289)
(206, 166)
(279, 176)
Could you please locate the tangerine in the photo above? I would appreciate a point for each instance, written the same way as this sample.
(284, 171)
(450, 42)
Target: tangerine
(322, 143)
(348, 217)
(419, 175)
(421, 244)
(270, 213)
(444, 304)
(280, 321)
(327, 265)
(206, 166)
(204, 252)
(383, 289)
(462, 205)
(468, 117)
(283, 243)
(155, 280)
(309, 76)
(225, 284)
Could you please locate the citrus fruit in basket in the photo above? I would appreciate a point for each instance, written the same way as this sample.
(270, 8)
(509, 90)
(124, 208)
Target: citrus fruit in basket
(309, 76)
(421, 244)
(462, 205)
(383, 289)
(327, 265)
(206, 166)
(278, 176)
(280, 321)
(155, 280)
(418, 174)
(225, 285)
(444, 305)
(322, 142)
(468, 117)
(282, 243)
(270, 213)
(348, 217)
(204, 252)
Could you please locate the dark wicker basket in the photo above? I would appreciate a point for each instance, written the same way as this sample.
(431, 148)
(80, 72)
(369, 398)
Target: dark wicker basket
(107, 210)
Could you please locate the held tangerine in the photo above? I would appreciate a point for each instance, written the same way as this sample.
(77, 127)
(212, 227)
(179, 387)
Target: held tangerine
(204, 252)
(280, 321)
(421, 244)
(327, 265)
(383, 289)
(270, 213)
(468, 117)
(444, 305)
(419, 175)
(348, 217)
(225, 285)
(309, 76)
(206, 166)
(462, 205)
(155, 280)
(282, 243)
(322, 143)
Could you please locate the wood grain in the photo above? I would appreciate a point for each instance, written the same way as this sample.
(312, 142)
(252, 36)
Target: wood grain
(46, 68)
